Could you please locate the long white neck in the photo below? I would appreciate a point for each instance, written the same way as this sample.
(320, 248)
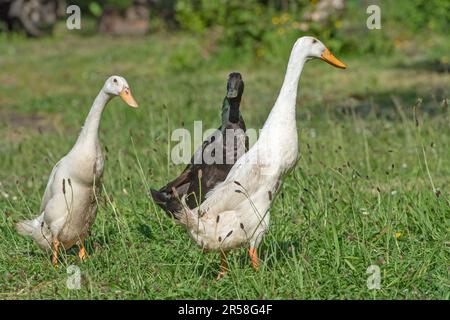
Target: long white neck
(89, 132)
(282, 116)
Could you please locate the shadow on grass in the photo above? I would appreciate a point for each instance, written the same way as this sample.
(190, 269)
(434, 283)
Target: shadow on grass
(430, 65)
(390, 105)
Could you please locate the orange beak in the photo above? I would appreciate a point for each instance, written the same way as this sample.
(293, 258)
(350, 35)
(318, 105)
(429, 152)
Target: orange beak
(126, 96)
(328, 57)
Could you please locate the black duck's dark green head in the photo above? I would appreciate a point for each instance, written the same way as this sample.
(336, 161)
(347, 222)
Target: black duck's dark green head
(235, 85)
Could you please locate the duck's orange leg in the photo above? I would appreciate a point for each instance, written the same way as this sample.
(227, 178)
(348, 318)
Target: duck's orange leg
(254, 258)
(82, 253)
(223, 265)
(55, 252)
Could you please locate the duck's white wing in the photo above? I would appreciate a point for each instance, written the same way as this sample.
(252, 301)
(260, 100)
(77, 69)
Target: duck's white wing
(243, 180)
(236, 210)
(48, 190)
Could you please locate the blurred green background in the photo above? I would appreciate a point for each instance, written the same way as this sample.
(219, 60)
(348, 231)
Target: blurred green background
(259, 27)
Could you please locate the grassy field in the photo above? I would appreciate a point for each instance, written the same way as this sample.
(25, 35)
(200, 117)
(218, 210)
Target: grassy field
(371, 187)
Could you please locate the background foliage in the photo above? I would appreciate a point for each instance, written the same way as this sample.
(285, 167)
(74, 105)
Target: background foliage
(254, 24)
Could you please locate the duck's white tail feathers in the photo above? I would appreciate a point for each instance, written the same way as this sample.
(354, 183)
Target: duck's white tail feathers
(27, 227)
(36, 229)
(222, 197)
(186, 216)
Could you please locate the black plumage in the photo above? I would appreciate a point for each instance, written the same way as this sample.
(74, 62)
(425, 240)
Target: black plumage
(207, 168)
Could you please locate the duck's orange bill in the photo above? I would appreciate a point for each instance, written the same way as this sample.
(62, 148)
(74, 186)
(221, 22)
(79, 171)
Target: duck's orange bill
(126, 96)
(327, 56)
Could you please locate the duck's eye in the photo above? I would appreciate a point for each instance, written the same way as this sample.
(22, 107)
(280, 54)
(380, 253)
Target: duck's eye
(314, 41)
(115, 80)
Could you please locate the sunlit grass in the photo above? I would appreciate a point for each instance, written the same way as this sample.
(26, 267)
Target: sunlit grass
(361, 194)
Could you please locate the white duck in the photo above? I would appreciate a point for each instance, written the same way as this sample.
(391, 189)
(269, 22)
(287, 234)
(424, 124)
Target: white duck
(69, 207)
(236, 211)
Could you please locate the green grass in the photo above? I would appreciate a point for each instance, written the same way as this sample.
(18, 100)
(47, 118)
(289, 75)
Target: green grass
(363, 191)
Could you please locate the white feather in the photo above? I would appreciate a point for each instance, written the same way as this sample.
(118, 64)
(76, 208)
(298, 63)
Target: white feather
(236, 211)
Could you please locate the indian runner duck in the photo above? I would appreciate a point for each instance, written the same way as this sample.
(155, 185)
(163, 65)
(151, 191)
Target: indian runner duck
(203, 172)
(69, 206)
(236, 212)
